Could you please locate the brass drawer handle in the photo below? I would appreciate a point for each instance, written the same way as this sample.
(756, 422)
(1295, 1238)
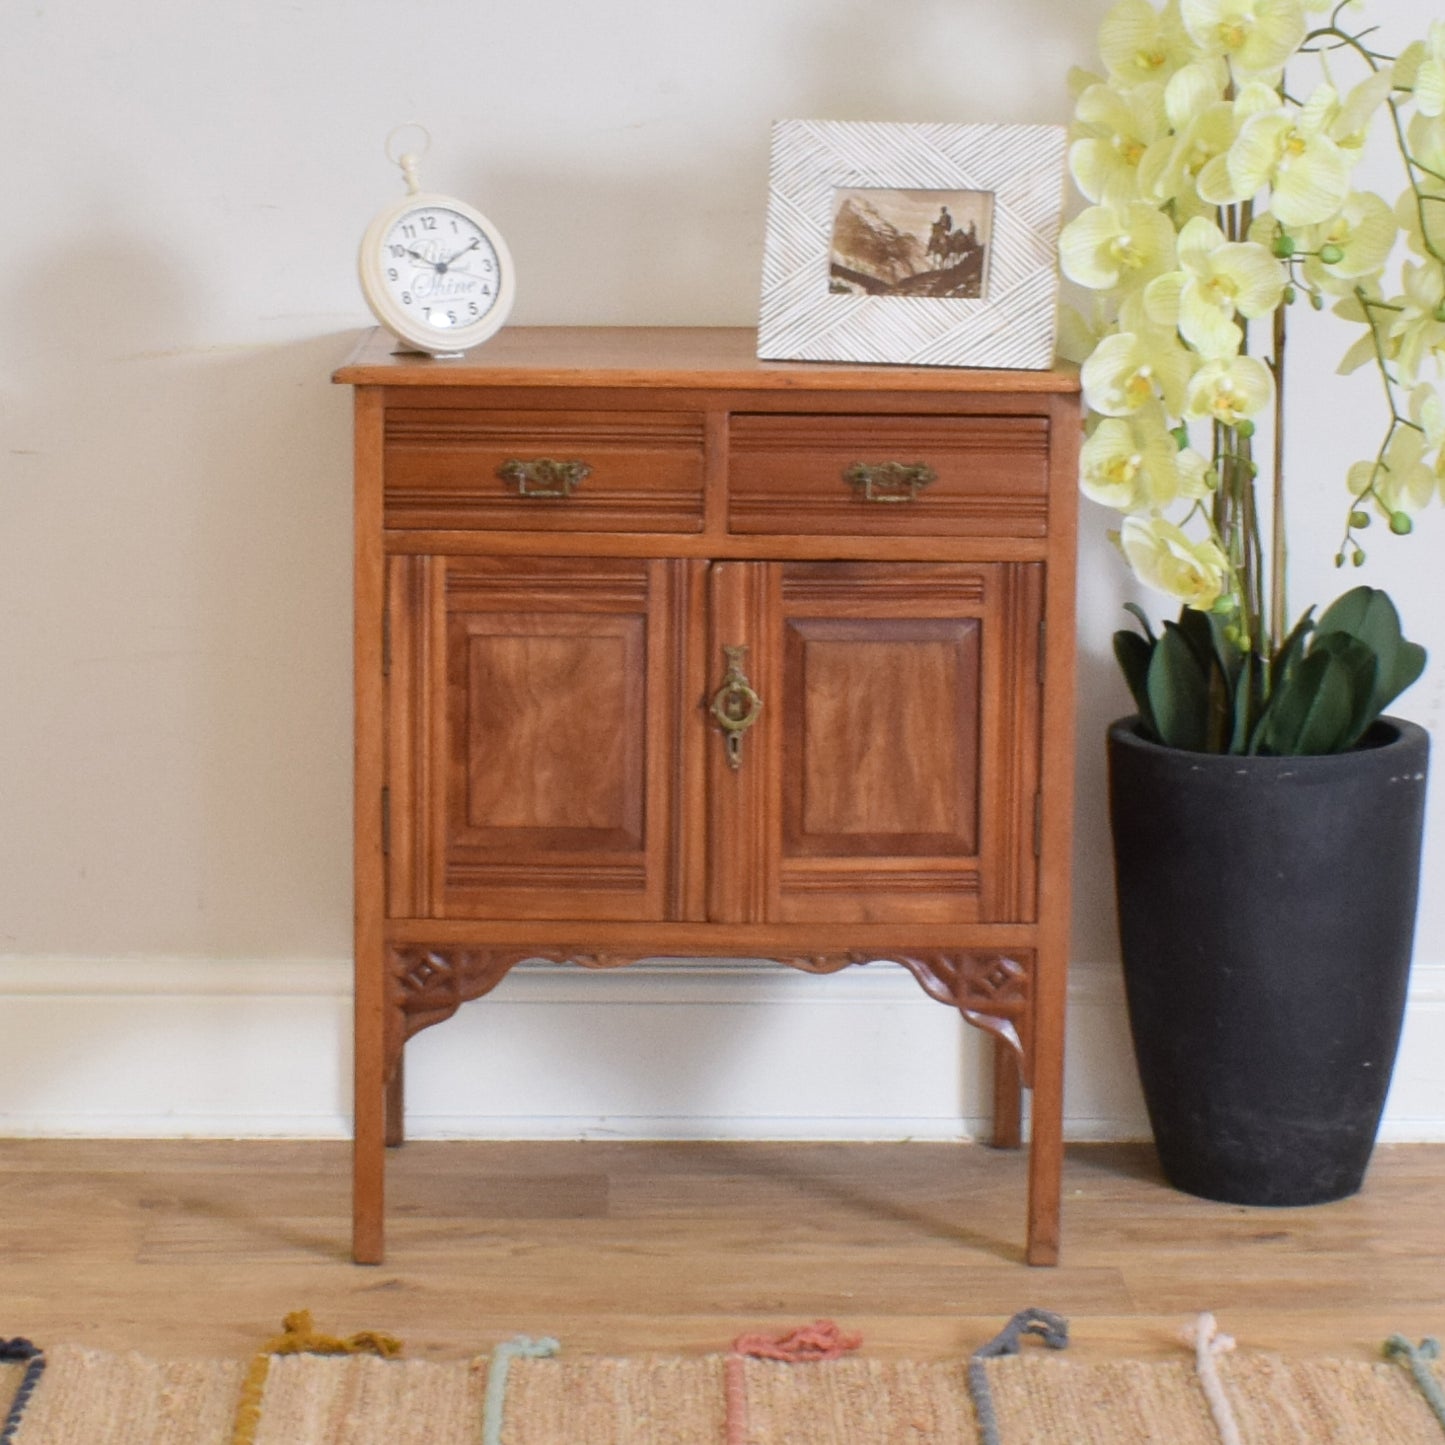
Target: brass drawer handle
(889, 481)
(735, 705)
(544, 477)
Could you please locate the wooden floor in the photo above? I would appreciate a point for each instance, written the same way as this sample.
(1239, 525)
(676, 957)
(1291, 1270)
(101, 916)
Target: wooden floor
(198, 1248)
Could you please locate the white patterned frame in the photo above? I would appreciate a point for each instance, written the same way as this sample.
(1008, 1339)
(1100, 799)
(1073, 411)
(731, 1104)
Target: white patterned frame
(1011, 326)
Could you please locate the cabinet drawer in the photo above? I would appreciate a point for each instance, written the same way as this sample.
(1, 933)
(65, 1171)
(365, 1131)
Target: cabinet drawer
(456, 468)
(889, 475)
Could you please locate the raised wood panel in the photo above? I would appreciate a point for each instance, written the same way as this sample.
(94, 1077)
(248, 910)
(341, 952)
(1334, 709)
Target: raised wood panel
(534, 701)
(789, 474)
(882, 753)
(446, 468)
(898, 732)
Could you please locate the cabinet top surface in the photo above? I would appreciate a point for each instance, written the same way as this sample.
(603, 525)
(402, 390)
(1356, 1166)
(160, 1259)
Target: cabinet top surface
(714, 358)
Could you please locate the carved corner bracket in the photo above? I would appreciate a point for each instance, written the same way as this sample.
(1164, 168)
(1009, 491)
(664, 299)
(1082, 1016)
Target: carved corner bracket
(992, 990)
(427, 986)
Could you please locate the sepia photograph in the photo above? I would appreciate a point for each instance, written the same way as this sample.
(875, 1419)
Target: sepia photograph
(893, 242)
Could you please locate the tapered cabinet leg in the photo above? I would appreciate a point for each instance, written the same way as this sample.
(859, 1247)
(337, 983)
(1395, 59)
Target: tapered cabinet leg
(1007, 1098)
(1046, 1159)
(368, 1161)
(396, 1105)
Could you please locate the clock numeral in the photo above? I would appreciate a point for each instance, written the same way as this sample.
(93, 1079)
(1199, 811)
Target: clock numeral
(397, 252)
(406, 298)
(473, 309)
(429, 223)
(392, 273)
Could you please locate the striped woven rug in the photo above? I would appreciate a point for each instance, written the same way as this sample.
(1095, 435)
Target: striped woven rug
(811, 1387)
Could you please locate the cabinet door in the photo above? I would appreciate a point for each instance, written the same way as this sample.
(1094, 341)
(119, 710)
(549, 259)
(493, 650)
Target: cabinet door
(892, 774)
(531, 713)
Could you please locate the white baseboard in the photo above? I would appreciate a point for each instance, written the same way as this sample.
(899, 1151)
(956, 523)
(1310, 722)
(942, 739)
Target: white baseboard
(218, 1048)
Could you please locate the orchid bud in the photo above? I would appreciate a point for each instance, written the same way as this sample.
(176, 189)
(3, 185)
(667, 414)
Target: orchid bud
(1331, 254)
(1400, 524)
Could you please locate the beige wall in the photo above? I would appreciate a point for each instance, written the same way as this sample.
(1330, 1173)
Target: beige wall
(185, 187)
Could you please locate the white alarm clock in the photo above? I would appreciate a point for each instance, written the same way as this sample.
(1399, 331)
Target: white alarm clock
(435, 271)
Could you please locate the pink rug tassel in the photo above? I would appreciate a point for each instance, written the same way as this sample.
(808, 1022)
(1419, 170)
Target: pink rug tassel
(822, 1340)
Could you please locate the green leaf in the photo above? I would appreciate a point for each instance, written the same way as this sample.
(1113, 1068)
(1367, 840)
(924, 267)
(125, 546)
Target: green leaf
(1315, 710)
(1360, 669)
(1281, 667)
(1178, 691)
(1368, 614)
(1143, 618)
(1133, 654)
(1248, 694)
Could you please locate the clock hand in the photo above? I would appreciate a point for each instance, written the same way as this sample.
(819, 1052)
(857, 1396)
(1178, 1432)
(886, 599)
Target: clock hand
(477, 241)
(426, 261)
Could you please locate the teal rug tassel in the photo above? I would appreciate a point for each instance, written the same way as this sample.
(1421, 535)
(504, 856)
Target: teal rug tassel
(12, 1351)
(1418, 1358)
(1052, 1329)
(502, 1357)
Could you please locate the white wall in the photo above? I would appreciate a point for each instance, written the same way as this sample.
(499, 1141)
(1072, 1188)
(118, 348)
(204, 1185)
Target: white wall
(186, 184)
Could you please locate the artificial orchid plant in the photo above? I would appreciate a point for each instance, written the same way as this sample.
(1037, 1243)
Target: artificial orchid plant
(1220, 183)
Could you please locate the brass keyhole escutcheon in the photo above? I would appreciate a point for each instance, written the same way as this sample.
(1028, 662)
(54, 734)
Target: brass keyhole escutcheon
(735, 705)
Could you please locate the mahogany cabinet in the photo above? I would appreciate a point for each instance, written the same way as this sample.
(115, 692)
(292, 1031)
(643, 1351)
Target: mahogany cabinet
(663, 650)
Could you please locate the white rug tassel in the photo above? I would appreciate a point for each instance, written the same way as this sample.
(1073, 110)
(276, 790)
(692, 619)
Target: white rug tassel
(1208, 1343)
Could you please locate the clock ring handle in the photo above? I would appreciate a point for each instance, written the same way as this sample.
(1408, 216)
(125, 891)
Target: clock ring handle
(735, 705)
(544, 477)
(409, 158)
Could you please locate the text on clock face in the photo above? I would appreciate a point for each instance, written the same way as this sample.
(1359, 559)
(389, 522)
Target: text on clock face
(441, 266)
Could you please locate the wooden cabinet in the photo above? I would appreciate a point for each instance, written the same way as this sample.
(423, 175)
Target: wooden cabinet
(664, 650)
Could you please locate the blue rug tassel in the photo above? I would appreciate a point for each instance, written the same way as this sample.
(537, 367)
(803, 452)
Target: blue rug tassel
(502, 1357)
(1052, 1329)
(12, 1352)
(1418, 1358)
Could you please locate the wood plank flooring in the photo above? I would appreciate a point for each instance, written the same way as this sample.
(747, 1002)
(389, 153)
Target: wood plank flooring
(193, 1249)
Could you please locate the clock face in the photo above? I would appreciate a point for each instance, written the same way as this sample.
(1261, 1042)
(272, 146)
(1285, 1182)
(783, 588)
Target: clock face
(441, 269)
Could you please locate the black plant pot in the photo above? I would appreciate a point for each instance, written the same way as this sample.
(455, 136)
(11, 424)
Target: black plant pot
(1267, 917)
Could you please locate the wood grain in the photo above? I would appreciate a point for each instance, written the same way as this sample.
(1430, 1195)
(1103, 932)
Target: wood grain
(541, 770)
(195, 1249)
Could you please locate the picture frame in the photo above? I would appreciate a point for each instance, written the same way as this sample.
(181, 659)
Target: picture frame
(912, 244)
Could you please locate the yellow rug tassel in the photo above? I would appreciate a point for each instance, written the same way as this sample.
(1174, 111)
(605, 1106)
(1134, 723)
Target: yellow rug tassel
(299, 1338)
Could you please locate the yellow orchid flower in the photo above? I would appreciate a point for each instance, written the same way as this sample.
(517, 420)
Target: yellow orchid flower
(1404, 481)
(1229, 391)
(1114, 130)
(1164, 557)
(1108, 246)
(1204, 126)
(1417, 331)
(1421, 69)
(1213, 180)
(1132, 463)
(1292, 153)
(1357, 242)
(1140, 43)
(1350, 120)
(1217, 279)
(1256, 36)
(1130, 369)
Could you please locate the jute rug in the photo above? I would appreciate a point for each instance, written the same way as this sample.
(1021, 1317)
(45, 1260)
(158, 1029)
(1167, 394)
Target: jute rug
(812, 1387)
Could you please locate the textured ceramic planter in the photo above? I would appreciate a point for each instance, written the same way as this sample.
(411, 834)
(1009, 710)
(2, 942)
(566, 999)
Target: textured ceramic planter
(1267, 918)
